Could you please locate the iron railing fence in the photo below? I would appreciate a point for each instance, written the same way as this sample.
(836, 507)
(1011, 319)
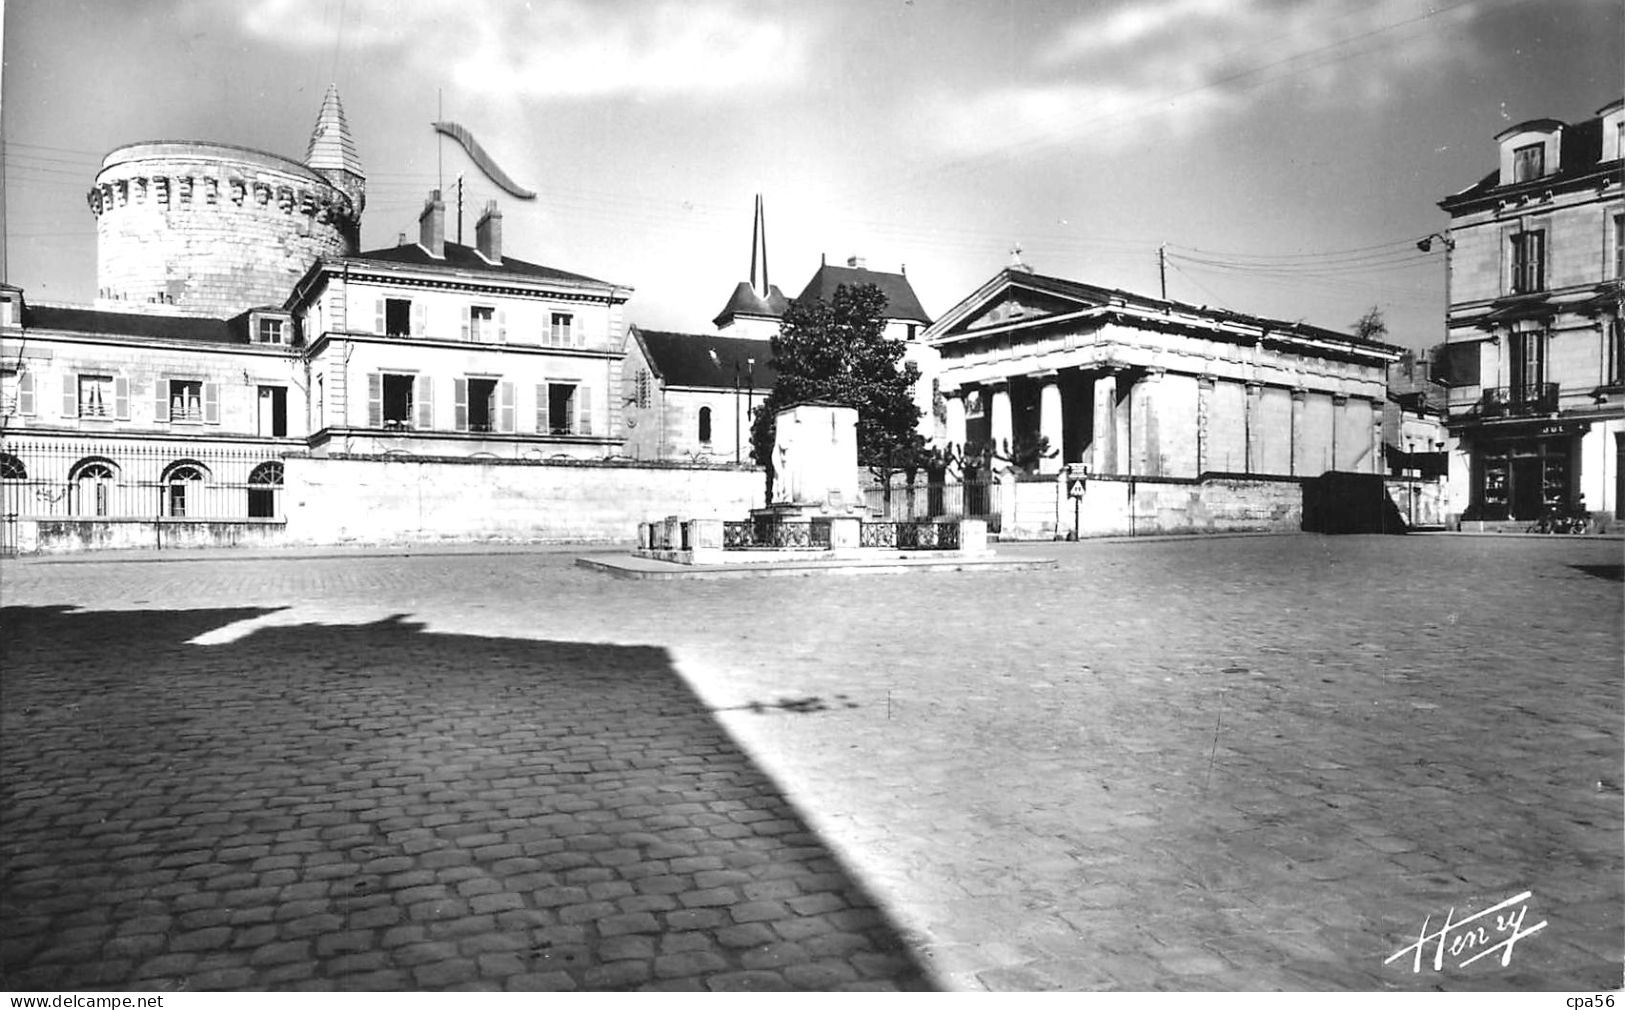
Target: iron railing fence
(775, 534)
(974, 500)
(910, 536)
(1518, 401)
(71, 479)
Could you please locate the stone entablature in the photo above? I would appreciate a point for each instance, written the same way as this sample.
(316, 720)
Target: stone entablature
(1137, 387)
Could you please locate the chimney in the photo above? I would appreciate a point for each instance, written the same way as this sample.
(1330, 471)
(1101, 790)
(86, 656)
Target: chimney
(432, 226)
(402, 239)
(488, 233)
(857, 262)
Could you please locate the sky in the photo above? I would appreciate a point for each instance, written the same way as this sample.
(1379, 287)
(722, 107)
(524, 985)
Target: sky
(1287, 153)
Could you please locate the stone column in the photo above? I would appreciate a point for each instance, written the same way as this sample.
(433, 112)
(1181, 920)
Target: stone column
(1340, 408)
(955, 424)
(999, 420)
(1297, 465)
(1050, 423)
(1204, 410)
(1146, 428)
(1255, 430)
(1103, 450)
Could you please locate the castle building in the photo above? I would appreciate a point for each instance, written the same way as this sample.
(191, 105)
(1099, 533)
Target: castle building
(1535, 356)
(237, 324)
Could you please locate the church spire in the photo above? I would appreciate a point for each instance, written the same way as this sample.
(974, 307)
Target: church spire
(331, 148)
(758, 253)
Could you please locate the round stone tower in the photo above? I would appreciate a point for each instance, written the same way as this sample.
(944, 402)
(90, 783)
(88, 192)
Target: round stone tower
(212, 229)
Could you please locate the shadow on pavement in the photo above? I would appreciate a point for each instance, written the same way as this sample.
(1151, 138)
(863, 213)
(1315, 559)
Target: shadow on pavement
(376, 807)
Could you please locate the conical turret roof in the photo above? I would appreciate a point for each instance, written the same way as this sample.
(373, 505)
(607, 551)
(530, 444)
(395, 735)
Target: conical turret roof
(331, 147)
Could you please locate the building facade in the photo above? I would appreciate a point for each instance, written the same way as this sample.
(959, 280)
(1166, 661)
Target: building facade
(236, 324)
(1534, 356)
(1139, 387)
(434, 348)
(692, 395)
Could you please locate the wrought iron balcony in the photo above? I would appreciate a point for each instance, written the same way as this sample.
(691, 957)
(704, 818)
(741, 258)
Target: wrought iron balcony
(1517, 401)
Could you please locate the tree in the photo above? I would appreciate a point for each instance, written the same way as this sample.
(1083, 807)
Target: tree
(1371, 326)
(837, 352)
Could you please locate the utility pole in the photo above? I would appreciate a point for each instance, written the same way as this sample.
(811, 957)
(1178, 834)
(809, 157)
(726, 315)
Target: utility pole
(1162, 268)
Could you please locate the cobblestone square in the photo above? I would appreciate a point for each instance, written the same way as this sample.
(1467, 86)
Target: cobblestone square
(1231, 763)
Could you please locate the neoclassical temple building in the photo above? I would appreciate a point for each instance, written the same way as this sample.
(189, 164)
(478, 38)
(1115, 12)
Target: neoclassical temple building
(1141, 387)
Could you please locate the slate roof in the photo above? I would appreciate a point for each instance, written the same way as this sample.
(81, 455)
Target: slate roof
(462, 257)
(696, 359)
(1581, 156)
(196, 329)
(1110, 298)
(745, 302)
(331, 146)
(901, 302)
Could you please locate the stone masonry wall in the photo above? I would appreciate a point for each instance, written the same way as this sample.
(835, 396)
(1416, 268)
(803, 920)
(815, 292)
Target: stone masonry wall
(380, 500)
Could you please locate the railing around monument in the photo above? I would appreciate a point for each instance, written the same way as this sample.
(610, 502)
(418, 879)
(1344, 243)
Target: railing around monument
(974, 500)
(770, 534)
(910, 536)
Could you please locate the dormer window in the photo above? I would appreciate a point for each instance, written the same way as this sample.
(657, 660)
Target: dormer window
(271, 331)
(1528, 162)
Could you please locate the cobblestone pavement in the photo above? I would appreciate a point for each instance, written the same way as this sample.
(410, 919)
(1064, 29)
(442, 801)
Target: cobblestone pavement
(1191, 764)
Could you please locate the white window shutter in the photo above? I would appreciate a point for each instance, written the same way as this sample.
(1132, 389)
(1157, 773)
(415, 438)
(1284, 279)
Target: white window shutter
(542, 427)
(375, 400)
(468, 313)
(378, 323)
(160, 409)
(502, 326)
(25, 393)
(505, 414)
(425, 397)
(121, 398)
(211, 403)
(70, 395)
(583, 400)
(579, 331)
(459, 390)
(420, 315)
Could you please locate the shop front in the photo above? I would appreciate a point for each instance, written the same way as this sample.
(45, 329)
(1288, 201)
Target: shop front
(1525, 471)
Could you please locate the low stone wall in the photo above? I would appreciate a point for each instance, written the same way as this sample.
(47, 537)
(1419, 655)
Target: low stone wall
(344, 499)
(69, 536)
(1144, 506)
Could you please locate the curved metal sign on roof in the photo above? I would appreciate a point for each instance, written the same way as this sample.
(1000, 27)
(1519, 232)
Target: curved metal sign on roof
(490, 168)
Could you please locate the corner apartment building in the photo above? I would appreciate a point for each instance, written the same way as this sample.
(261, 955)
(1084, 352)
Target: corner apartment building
(1535, 355)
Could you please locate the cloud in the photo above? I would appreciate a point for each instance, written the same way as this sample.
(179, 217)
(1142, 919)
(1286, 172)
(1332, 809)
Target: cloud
(551, 49)
(1174, 67)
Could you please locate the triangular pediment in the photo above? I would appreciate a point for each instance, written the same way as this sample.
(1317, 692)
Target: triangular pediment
(1015, 304)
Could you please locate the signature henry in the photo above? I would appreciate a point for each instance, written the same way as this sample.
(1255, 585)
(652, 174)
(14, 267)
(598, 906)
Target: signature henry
(1479, 935)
